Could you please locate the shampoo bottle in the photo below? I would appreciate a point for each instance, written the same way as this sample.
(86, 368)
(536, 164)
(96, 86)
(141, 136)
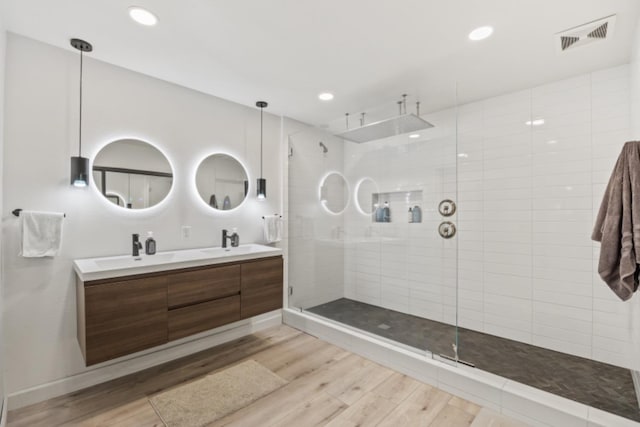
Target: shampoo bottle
(387, 212)
(417, 214)
(410, 215)
(379, 213)
(150, 244)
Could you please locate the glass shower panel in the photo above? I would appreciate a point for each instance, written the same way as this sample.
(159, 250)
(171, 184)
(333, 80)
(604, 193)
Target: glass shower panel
(376, 261)
(318, 197)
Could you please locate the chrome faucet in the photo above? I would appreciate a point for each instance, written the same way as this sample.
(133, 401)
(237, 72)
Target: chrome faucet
(136, 245)
(234, 237)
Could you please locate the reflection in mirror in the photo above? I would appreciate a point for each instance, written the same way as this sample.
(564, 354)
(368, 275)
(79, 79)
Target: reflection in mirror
(334, 193)
(132, 174)
(222, 182)
(364, 195)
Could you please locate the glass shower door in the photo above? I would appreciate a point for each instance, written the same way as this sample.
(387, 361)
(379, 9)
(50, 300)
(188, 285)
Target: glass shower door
(365, 248)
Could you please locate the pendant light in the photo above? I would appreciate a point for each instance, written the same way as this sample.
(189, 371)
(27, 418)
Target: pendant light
(262, 183)
(80, 165)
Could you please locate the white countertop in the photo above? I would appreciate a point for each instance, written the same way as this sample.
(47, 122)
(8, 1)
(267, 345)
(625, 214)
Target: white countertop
(89, 269)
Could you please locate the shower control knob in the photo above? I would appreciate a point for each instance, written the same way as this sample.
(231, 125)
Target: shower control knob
(447, 207)
(447, 230)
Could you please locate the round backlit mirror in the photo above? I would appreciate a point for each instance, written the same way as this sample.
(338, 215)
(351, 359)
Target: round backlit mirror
(132, 174)
(222, 182)
(365, 190)
(334, 193)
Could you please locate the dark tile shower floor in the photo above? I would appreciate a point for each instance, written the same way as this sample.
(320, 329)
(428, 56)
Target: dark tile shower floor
(597, 384)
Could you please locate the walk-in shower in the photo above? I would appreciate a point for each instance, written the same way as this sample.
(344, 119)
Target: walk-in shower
(498, 272)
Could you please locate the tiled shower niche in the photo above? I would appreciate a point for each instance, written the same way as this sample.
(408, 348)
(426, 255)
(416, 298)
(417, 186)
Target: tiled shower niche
(404, 206)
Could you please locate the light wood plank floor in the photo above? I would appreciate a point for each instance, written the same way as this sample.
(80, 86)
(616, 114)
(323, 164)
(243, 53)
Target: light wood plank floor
(327, 386)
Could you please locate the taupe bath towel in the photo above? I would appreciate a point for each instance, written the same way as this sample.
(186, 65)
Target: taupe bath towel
(618, 225)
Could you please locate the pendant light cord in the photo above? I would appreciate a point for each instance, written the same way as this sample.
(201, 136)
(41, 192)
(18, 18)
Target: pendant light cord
(261, 110)
(80, 121)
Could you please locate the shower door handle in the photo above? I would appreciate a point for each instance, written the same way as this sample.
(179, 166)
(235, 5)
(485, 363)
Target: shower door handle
(447, 229)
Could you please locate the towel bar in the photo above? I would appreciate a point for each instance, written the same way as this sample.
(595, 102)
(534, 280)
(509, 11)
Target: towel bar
(16, 212)
(280, 216)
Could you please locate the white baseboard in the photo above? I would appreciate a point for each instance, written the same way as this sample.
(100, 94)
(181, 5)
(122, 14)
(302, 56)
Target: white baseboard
(513, 399)
(130, 364)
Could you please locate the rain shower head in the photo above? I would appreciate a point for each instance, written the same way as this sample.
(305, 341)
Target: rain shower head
(325, 150)
(398, 125)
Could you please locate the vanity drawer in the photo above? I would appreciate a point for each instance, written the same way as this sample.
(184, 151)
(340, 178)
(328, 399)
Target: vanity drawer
(193, 287)
(261, 288)
(124, 317)
(196, 318)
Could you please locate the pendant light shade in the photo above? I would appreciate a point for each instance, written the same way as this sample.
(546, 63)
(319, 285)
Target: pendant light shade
(80, 173)
(262, 188)
(262, 183)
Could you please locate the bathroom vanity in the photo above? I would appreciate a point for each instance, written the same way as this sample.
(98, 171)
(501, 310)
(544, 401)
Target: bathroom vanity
(126, 305)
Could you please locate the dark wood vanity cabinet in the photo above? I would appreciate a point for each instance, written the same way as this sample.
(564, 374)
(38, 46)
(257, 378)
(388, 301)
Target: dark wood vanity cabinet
(201, 317)
(202, 299)
(205, 284)
(261, 287)
(124, 315)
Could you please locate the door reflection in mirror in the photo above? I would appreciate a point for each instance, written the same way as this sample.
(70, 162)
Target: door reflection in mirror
(132, 174)
(222, 181)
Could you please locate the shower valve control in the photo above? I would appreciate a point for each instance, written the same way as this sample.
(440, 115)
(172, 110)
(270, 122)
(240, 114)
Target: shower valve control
(447, 230)
(447, 207)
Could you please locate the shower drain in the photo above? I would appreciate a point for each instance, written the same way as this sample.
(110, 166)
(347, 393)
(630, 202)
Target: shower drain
(384, 326)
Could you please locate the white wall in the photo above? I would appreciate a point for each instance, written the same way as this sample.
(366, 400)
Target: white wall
(3, 40)
(40, 137)
(635, 135)
(635, 84)
(528, 198)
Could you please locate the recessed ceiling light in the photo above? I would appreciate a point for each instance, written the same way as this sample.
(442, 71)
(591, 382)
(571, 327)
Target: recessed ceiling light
(536, 122)
(325, 96)
(414, 135)
(481, 33)
(463, 155)
(552, 141)
(142, 16)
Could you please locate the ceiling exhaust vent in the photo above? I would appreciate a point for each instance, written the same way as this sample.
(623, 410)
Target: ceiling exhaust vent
(582, 35)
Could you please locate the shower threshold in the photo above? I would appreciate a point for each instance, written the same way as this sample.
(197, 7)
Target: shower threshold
(596, 384)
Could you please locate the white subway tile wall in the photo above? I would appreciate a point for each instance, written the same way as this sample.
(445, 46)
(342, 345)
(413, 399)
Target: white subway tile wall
(531, 168)
(401, 265)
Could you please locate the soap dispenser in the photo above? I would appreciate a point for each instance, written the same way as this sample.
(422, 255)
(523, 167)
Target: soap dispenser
(150, 244)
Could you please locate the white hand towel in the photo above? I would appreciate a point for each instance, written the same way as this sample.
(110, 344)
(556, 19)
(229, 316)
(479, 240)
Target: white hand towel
(272, 228)
(41, 233)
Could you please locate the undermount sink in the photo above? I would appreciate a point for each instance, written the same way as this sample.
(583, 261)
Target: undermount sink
(124, 262)
(125, 265)
(229, 251)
